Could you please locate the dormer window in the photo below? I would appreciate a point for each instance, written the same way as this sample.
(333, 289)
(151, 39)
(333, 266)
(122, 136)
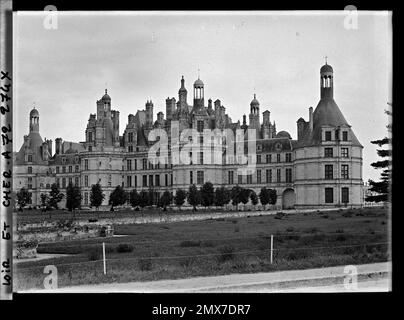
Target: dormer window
(328, 136)
(344, 135)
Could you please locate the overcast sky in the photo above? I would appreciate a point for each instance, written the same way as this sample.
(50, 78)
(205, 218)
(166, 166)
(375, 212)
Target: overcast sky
(143, 56)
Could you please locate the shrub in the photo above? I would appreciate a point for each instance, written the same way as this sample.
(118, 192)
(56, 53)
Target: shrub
(94, 254)
(347, 214)
(187, 262)
(340, 238)
(237, 229)
(339, 231)
(124, 247)
(325, 216)
(208, 243)
(190, 243)
(290, 229)
(145, 264)
(226, 253)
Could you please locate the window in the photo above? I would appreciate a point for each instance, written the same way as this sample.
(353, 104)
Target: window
(258, 176)
(249, 179)
(337, 134)
(191, 177)
(258, 158)
(57, 169)
(128, 181)
(30, 158)
(86, 197)
(90, 136)
(278, 175)
(130, 148)
(288, 173)
(76, 181)
(64, 169)
(328, 152)
(200, 160)
(278, 158)
(150, 180)
(344, 153)
(344, 135)
(135, 161)
(86, 181)
(129, 165)
(90, 148)
(328, 136)
(144, 164)
(345, 195)
(288, 157)
(29, 169)
(328, 171)
(86, 164)
(29, 182)
(269, 158)
(329, 195)
(144, 184)
(200, 177)
(172, 180)
(70, 181)
(76, 168)
(269, 175)
(63, 182)
(231, 177)
(58, 182)
(157, 180)
(70, 169)
(135, 181)
(240, 179)
(166, 179)
(130, 137)
(199, 126)
(344, 171)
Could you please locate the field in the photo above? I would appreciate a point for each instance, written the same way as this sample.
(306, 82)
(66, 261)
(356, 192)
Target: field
(214, 247)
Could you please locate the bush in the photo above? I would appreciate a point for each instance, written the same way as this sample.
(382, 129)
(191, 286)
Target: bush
(339, 231)
(145, 264)
(290, 229)
(226, 253)
(190, 243)
(187, 262)
(94, 254)
(237, 229)
(124, 247)
(347, 214)
(208, 243)
(340, 238)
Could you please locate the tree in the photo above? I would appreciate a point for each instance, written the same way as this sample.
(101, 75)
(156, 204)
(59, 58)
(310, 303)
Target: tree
(179, 197)
(44, 200)
(193, 196)
(235, 195)
(23, 197)
(117, 197)
(244, 195)
(151, 197)
(254, 198)
(96, 195)
(134, 198)
(73, 197)
(165, 200)
(55, 196)
(264, 196)
(382, 187)
(144, 199)
(207, 194)
(272, 196)
(222, 196)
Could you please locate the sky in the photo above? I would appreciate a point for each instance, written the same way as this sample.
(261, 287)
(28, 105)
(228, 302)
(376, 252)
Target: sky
(142, 56)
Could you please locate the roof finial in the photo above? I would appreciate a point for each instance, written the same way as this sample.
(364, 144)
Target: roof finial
(105, 91)
(33, 104)
(325, 59)
(254, 96)
(198, 72)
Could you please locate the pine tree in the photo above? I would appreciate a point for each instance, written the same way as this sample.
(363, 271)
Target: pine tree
(382, 187)
(73, 197)
(118, 197)
(194, 197)
(179, 197)
(55, 196)
(96, 195)
(207, 194)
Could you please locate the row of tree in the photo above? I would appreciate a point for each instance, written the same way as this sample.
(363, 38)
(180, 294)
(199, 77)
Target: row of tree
(205, 196)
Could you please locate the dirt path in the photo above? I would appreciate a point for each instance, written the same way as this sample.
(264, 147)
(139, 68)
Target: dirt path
(371, 277)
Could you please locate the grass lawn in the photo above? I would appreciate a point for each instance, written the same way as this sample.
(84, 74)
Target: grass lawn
(215, 247)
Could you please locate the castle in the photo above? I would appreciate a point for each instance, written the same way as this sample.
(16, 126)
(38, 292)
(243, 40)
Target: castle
(322, 167)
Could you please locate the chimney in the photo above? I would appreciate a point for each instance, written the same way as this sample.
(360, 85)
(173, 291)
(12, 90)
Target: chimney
(217, 104)
(311, 118)
(58, 145)
(210, 104)
(49, 142)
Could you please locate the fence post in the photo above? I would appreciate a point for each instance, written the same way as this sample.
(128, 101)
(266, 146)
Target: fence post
(272, 247)
(103, 258)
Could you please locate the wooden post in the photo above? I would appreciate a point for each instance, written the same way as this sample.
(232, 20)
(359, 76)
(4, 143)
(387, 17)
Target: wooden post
(272, 248)
(103, 258)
